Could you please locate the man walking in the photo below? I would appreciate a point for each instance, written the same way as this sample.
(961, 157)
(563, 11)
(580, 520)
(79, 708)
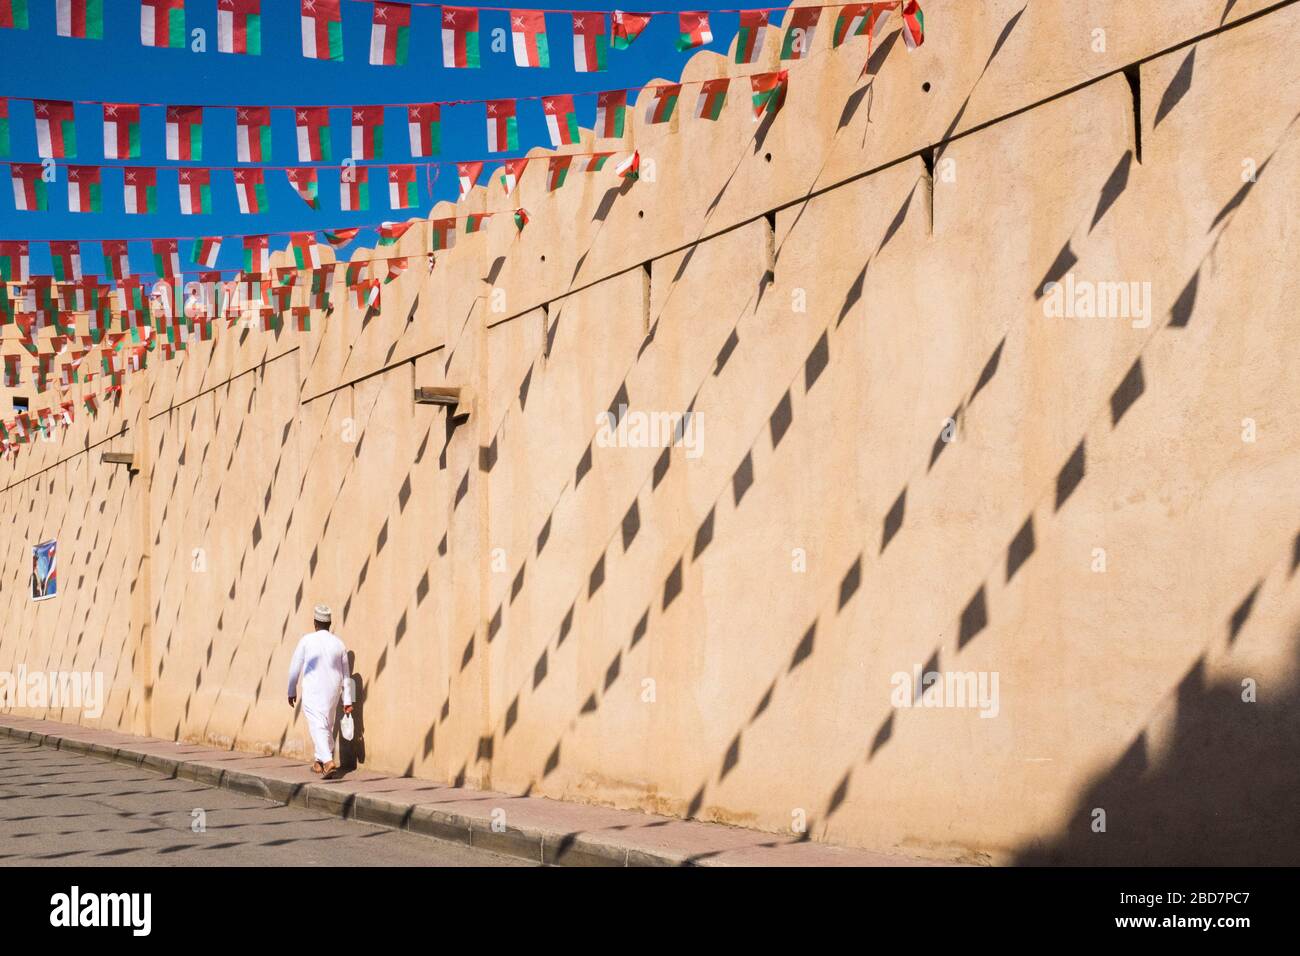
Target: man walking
(322, 662)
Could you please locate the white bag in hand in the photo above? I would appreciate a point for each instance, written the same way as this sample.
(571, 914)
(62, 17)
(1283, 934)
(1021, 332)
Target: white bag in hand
(346, 727)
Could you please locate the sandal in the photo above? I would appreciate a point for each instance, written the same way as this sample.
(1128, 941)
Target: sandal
(329, 769)
(317, 767)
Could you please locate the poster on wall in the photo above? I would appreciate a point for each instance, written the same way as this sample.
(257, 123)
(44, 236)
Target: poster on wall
(45, 583)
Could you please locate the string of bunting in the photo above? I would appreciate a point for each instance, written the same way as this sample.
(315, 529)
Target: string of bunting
(594, 32)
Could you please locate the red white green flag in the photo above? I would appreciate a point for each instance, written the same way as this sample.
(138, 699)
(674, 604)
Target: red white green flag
(195, 191)
(403, 188)
(65, 257)
(205, 251)
(322, 30)
(185, 133)
(305, 181)
(460, 38)
(521, 218)
(799, 33)
(442, 233)
(29, 188)
(166, 258)
(13, 14)
(713, 96)
(468, 174)
(338, 238)
(117, 262)
(302, 318)
(84, 193)
(663, 101)
(913, 25)
(56, 129)
(511, 170)
(239, 26)
(627, 27)
(749, 39)
(561, 119)
(121, 131)
(424, 122)
(306, 253)
(769, 92)
(502, 126)
(140, 195)
(4, 126)
(354, 189)
(253, 134)
(390, 33)
(859, 19)
(257, 255)
(611, 114)
(693, 30)
(390, 232)
(14, 260)
(313, 124)
(591, 162)
(630, 166)
(322, 282)
(477, 221)
(396, 266)
(367, 132)
(162, 23)
(528, 37)
(250, 190)
(590, 43)
(83, 19)
(557, 170)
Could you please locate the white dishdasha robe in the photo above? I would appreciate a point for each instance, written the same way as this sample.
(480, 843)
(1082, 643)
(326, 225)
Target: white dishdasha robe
(322, 661)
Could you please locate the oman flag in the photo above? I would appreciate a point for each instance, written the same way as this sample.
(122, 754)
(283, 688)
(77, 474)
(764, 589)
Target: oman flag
(528, 33)
(250, 190)
(84, 189)
(121, 131)
(442, 233)
(354, 189)
(590, 42)
(13, 14)
(4, 126)
(205, 251)
(257, 255)
(663, 101)
(424, 121)
(162, 23)
(322, 30)
(403, 191)
(511, 170)
(83, 19)
(557, 170)
(611, 114)
(749, 39)
(367, 132)
(306, 183)
(29, 188)
(195, 191)
(390, 232)
(239, 26)
(253, 134)
(117, 263)
(627, 27)
(460, 38)
(65, 257)
(858, 19)
(468, 174)
(56, 129)
(713, 96)
(502, 126)
(561, 119)
(769, 92)
(799, 34)
(693, 30)
(185, 133)
(390, 33)
(313, 134)
(166, 258)
(913, 25)
(341, 237)
(306, 254)
(14, 260)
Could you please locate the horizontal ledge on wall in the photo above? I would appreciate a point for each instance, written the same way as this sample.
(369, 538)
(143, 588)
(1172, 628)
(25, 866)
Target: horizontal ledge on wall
(458, 398)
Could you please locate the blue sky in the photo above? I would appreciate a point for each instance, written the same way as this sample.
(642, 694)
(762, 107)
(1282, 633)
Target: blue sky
(119, 69)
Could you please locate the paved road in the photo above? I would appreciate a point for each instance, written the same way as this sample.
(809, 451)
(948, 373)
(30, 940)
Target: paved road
(63, 808)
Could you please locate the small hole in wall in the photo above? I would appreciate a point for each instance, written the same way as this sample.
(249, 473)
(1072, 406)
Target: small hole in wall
(640, 213)
(926, 86)
(768, 157)
(543, 257)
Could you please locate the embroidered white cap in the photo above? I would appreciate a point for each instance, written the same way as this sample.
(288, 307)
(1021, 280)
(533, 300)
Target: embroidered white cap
(322, 613)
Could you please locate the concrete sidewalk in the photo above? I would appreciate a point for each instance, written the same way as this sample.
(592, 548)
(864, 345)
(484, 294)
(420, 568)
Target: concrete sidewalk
(548, 831)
